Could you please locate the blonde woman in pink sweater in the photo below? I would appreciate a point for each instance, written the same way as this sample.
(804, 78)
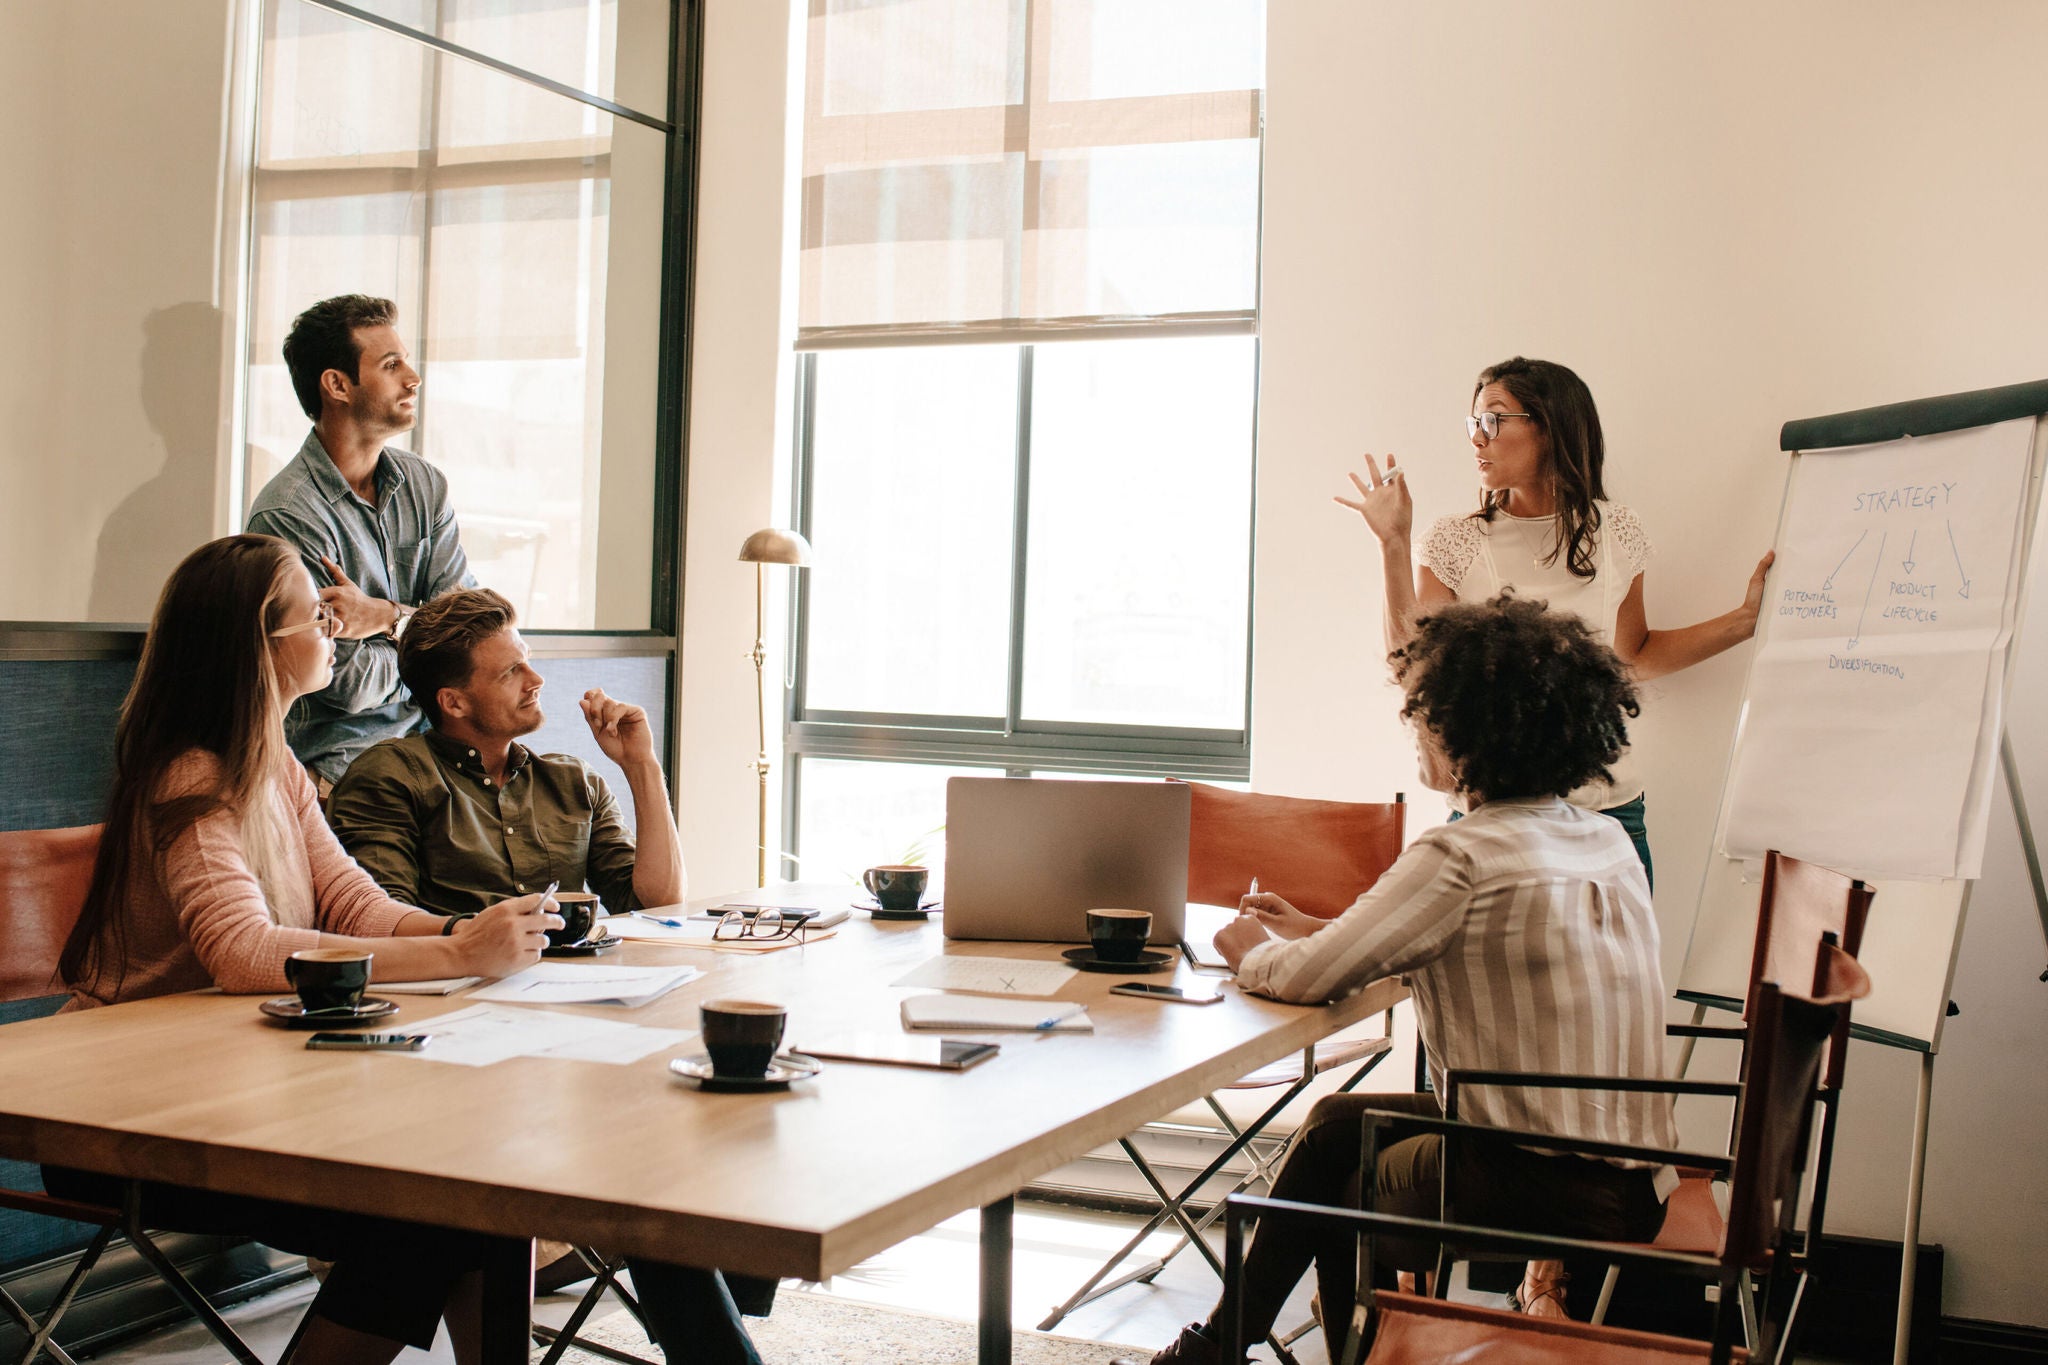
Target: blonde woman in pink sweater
(215, 866)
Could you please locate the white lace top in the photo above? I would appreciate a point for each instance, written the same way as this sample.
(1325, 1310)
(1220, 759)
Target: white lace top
(1476, 559)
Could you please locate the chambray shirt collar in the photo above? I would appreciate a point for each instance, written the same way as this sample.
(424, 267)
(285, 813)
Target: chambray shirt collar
(327, 478)
(466, 761)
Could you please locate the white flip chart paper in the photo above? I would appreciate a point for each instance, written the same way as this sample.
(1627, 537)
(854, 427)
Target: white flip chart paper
(1873, 716)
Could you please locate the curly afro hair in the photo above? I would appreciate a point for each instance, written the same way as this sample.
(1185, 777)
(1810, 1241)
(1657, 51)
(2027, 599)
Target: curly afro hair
(1523, 700)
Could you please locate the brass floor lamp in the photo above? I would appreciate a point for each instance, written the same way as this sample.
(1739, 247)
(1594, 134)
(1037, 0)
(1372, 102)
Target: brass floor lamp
(771, 545)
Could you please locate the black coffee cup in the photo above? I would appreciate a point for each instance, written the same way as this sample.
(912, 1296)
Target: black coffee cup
(328, 979)
(741, 1036)
(1119, 935)
(897, 887)
(578, 910)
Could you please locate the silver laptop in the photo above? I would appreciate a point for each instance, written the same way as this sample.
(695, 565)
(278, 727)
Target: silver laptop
(1027, 857)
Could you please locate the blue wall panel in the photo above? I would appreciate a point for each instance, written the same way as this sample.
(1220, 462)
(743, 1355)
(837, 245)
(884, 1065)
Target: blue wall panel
(57, 739)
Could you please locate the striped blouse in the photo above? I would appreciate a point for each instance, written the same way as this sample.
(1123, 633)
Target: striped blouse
(1526, 936)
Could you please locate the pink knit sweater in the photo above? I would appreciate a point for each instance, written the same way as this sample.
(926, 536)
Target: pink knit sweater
(196, 916)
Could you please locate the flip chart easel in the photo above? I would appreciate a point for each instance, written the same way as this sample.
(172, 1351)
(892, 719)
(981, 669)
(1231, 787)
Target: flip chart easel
(1885, 623)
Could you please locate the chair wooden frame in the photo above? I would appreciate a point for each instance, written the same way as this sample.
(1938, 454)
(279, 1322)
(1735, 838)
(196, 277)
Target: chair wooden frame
(1778, 1093)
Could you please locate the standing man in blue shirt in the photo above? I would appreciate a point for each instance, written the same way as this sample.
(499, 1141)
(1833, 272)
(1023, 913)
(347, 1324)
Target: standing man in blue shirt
(372, 522)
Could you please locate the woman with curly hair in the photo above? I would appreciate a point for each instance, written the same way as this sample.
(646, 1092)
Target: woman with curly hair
(1526, 936)
(1544, 528)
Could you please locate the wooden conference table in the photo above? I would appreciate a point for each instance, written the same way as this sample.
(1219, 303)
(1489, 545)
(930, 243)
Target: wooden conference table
(200, 1090)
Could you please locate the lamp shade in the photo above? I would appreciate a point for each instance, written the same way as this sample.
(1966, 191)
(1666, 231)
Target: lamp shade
(773, 545)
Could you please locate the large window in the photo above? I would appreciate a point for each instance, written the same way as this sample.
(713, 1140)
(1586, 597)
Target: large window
(1027, 405)
(506, 188)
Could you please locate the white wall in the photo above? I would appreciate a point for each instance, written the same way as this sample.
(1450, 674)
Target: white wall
(740, 387)
(1723, 216)
(111, 360)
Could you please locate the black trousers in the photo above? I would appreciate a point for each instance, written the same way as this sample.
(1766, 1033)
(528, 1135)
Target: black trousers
(391, 1278)
(694, 1315)
(1494, 1183)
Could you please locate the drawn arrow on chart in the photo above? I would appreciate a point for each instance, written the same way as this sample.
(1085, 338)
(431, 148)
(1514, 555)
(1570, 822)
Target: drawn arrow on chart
(1829, 586)
(1961, 572)
(1867, 589)
(1907, 562)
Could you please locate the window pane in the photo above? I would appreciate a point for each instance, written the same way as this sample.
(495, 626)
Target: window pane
(615, 49)
(1117, 49)
(539, 393)
(918, 55)
(913, 478)
(1141, 480)
(856, 815)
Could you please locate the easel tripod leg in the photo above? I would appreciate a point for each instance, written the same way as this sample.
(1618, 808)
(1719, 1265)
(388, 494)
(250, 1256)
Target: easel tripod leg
(1902, 1341)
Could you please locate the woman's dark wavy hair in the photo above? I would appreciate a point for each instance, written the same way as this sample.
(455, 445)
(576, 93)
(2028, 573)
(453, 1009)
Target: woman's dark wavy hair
(1563, 408)
(208, 680)
(1525, 701)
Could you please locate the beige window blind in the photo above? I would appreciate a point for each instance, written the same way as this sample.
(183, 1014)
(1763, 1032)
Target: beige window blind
(1015, 170)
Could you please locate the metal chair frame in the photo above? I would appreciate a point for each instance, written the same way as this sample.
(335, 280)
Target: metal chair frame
(605, 1271)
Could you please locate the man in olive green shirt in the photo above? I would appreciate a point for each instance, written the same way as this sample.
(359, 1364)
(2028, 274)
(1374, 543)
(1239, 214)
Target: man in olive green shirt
(463, 815)
(442, 818)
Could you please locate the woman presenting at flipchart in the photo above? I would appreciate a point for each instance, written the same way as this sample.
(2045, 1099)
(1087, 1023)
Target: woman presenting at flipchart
(1545, 529)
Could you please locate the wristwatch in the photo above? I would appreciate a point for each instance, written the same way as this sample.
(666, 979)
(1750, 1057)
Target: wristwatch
(403, 618)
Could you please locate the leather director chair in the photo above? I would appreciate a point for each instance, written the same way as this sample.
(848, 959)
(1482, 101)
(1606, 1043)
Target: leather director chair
(1790, 1036)
(44, 875)
(1319, 856)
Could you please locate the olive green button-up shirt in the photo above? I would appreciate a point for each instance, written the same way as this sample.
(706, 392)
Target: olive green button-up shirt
(424, 819)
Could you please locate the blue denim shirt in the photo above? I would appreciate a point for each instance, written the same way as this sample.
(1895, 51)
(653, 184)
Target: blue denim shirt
(406, 548)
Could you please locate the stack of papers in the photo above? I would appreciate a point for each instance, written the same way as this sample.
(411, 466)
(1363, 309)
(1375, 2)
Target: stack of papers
(974, 1013)
(484, 1034)
(569, 983)
(446, 985)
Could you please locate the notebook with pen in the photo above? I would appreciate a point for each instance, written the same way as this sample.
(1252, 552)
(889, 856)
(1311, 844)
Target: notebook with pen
(979, 1013)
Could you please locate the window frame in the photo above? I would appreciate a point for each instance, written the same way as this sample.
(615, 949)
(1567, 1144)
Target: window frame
(1008, 742)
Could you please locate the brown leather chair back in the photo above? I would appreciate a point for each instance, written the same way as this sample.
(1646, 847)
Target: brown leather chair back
(1801, 902)
(1788, 1040)
(44, 874)
(1317, 855)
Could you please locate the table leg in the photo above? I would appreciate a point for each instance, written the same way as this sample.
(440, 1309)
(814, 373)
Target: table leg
(508, 1301)
(996, 1219)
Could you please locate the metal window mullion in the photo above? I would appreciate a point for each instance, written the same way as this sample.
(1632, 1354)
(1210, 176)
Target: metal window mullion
(1020, 547)
(799, 609)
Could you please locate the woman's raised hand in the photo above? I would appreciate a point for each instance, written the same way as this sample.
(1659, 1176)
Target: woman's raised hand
(508, 936)
(1278, 917)
(1382, 500)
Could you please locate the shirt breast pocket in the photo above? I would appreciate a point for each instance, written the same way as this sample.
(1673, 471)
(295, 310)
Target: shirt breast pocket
(409, 564)
(568, 845)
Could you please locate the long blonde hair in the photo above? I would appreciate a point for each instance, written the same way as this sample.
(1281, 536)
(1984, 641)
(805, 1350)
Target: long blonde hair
(208, 682)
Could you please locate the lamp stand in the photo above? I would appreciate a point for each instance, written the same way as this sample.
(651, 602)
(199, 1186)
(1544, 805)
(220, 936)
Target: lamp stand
(760, 656)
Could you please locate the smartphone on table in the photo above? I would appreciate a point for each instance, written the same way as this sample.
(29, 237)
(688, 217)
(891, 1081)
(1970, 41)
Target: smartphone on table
(1172, 995)
(369, 1042)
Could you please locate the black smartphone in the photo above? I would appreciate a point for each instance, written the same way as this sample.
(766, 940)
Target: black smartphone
(1176, 995)
(369, 1042)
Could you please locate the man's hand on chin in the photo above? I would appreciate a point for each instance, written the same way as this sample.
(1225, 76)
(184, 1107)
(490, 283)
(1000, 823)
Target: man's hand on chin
(620, 728)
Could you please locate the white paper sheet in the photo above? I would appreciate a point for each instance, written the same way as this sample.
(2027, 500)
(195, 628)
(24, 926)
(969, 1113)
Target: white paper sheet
(992, 975)
(571, 983)
(482, 1034)
(628, 1045)
(1873, 712)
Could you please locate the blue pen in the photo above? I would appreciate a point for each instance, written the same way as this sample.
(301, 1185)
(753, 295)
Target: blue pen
(657, 919)
(1056, 1020)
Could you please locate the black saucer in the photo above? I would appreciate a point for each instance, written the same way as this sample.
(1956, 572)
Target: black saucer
(924, 911)
(1147, 961)
(787, 1067)
(602, 940)
(288, 1011)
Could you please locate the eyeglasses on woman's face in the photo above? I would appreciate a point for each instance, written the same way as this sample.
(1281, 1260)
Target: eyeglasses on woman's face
(1489, 422)
(324, 621)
